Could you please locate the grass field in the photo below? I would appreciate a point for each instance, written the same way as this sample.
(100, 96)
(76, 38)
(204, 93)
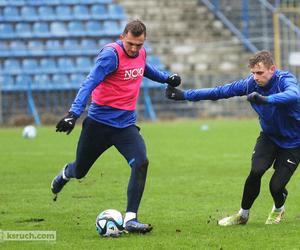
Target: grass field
(195, 177)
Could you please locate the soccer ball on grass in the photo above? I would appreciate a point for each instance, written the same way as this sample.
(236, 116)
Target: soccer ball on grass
(29, 132)
(109, 223)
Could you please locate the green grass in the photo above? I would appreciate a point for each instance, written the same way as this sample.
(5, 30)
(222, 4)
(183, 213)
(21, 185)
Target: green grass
(195, 177)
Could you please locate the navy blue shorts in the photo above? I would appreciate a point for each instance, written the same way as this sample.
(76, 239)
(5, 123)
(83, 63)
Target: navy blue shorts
(96, 137)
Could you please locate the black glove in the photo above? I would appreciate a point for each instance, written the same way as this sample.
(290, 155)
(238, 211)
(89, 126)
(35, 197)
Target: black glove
(174, 80)
(67, 123)
(257, 98)
(174, 94)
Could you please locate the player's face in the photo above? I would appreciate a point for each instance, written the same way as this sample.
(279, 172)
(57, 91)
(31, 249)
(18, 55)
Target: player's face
(262, 74)
(132, 44)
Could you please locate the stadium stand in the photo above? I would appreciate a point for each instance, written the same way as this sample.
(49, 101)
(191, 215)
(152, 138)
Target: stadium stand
(50, 46)
(47, 48)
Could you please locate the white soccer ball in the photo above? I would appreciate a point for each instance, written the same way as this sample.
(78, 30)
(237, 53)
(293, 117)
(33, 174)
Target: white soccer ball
(29, 132)
(109, 223)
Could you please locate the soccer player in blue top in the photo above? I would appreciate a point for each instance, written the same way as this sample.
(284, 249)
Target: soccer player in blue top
(275, 96)
(114, 84)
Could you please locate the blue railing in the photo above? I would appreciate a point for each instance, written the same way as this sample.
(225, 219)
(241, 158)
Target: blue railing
(262, 25)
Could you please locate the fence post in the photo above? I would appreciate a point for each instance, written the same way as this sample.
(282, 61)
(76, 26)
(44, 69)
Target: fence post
(31, 106)
(276, 27)
(245, 16)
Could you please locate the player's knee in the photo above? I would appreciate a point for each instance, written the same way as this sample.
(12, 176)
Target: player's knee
(275, 188)
(256, 174)
(140, 163)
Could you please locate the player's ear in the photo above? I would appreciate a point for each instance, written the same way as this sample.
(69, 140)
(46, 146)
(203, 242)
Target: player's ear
(273, 68)
(121, 37)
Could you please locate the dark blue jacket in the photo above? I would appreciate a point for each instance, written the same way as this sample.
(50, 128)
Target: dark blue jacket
(279, 119)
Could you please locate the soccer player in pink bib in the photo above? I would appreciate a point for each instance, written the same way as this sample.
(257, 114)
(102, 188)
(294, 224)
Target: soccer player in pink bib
(114, 83)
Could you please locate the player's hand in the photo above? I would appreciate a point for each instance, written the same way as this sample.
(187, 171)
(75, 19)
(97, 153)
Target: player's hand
(257, 98)
(67, 123)
(174, 94)
(174, 80)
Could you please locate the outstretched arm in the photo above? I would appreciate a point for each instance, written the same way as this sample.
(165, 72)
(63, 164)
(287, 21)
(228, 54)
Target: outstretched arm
(237, 88)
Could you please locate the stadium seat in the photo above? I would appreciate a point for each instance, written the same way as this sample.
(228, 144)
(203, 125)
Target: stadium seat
(54, 47)
(116, 11)
(3, 46)
(23, 82)
(70, 44)
(99, 11)
(88, 44)
(60, 81)
(17, 48)
(6, 82)
(76, 28)
(63, 12)
(28, 12)
(12, 65)
(66, 64)
(36, 47)
(35, 44)
(41, 81)
(10, 13)
(46, 11)
(48, 65)
(77, 79)
(40, 28)
(111, 28)
(83, 63)
(17, 45)
(93, 26)
(6, 30)
(58, 29)
(53, 44)
(23, 29)
(30, 65)
(81, 11)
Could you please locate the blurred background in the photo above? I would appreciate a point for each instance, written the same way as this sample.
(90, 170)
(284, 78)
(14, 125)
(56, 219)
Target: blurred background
(47, 48)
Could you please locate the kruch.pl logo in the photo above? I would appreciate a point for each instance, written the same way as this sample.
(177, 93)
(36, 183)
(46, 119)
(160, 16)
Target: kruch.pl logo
(133, 73)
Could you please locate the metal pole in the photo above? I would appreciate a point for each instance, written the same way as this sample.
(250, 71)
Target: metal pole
(245, 16)
(277, 50)
(1, 114)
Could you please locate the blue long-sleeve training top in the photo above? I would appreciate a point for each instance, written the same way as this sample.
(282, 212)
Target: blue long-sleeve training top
(279, 119)
(107, 63)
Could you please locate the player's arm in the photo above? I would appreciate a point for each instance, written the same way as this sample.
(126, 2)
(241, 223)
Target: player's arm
(290, 93)
(152, 73)
(106, 63)
(236, 88)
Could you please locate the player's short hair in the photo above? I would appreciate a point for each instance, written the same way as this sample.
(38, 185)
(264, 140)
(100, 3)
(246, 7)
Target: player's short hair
(264, 57)
(135, 27)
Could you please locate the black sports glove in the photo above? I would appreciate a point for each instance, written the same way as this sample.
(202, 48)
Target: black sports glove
(67, 123)
(257, 98)
(174, 80)
(174, 94)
